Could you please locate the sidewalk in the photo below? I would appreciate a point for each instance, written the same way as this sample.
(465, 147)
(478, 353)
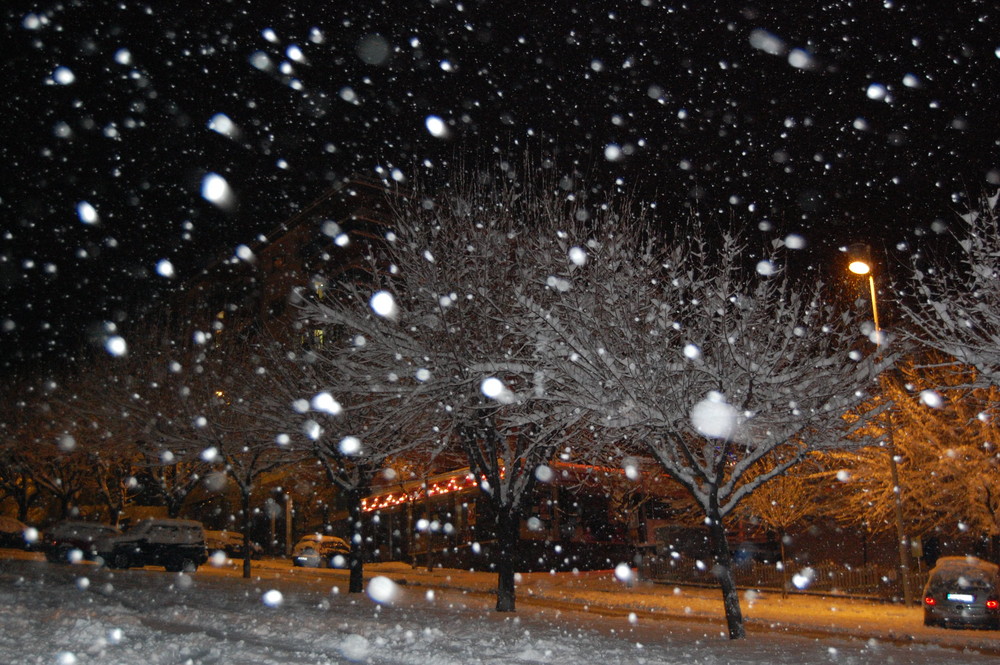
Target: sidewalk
(602, 593)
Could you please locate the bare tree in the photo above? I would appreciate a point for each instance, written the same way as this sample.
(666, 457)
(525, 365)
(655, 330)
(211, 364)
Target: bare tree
(944, 434)
(710, 360)
(350, 441)
(954, 306)
(131, 397)
(436, 339)
(784, 502)
(20, 423)
(214, 398)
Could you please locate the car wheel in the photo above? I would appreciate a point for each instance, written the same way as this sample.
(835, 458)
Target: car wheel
(119, 560)
(181, 565)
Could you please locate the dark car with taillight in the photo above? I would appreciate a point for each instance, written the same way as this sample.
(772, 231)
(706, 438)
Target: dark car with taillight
(963, 592)
(14, 533)
(74, 541)
(177, 545)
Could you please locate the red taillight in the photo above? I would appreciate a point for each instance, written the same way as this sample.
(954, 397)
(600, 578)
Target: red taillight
(992, 604)
(930, 601)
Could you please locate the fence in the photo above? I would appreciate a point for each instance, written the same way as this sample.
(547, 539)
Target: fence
(870, 582)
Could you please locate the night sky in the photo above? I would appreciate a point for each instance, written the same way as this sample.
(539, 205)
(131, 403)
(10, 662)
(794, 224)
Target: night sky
(839, 121)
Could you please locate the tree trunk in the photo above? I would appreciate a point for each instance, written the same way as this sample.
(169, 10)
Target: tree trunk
(25, 498)
(174, 507)
(784, 568)
(724, 572)
(508, 539)
(356, 558)
(66, 507)
(247, 525)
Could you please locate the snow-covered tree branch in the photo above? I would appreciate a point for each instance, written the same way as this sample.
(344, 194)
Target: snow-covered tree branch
(709, 359)
(955, 302)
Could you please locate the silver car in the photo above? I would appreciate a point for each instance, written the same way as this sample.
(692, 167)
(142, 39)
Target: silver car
(320, 551)
(963, 591)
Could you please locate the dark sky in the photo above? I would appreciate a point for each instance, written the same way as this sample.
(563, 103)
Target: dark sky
(838, 120)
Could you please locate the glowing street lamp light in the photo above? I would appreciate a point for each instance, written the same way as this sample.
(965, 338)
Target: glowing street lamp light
(861, 265)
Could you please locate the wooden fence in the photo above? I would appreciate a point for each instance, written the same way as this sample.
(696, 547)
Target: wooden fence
(870, 582)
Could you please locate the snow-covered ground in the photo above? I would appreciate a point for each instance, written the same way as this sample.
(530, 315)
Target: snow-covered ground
(62, 615)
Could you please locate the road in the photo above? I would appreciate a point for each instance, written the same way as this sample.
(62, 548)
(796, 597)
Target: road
(165, 605)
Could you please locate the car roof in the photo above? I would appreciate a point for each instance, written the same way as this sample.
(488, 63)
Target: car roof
(320, 539)
(954, 563)
(170, 520)
(81, 524)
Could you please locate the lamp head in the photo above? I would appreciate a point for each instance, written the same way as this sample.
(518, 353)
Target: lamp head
(859, 267)
(859, 257)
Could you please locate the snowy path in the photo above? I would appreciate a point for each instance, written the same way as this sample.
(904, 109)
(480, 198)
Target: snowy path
(83, 614)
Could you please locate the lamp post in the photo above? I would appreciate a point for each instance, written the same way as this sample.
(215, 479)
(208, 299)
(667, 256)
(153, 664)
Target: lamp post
(860, 265)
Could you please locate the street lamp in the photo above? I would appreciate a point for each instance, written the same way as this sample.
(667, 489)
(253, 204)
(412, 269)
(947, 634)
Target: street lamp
(861, 265)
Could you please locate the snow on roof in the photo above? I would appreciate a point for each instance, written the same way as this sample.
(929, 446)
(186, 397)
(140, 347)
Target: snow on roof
(966, 562)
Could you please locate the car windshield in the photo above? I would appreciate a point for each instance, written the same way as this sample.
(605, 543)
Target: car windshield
(964, 577)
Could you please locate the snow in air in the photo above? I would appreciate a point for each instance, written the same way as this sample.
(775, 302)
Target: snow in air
(383, 590)
(262, 61)
(164, 268)
(877, 92)
(116, 346)
(436, 126)
(374, 50)
(804, 578)
(383, 304)
(795, 241)
(631, 468)
(312, 429)
(801, 59)
(273, 598)
(325, 403)
(63, 75)
(544, 473)
(766, 268)
(350, 445)
(215, 189)
(67, 443)
(713, 417)
(624, 573)
(87, 213)
(223, 124)
(244, 253)
(767, 42)
(494, 388)
(931, 398)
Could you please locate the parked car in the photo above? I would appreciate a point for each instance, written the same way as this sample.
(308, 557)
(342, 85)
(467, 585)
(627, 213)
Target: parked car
(230, 542)
(73, 541)
(12, 533)
(318, 551)
(177, 545)
(963, 591)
